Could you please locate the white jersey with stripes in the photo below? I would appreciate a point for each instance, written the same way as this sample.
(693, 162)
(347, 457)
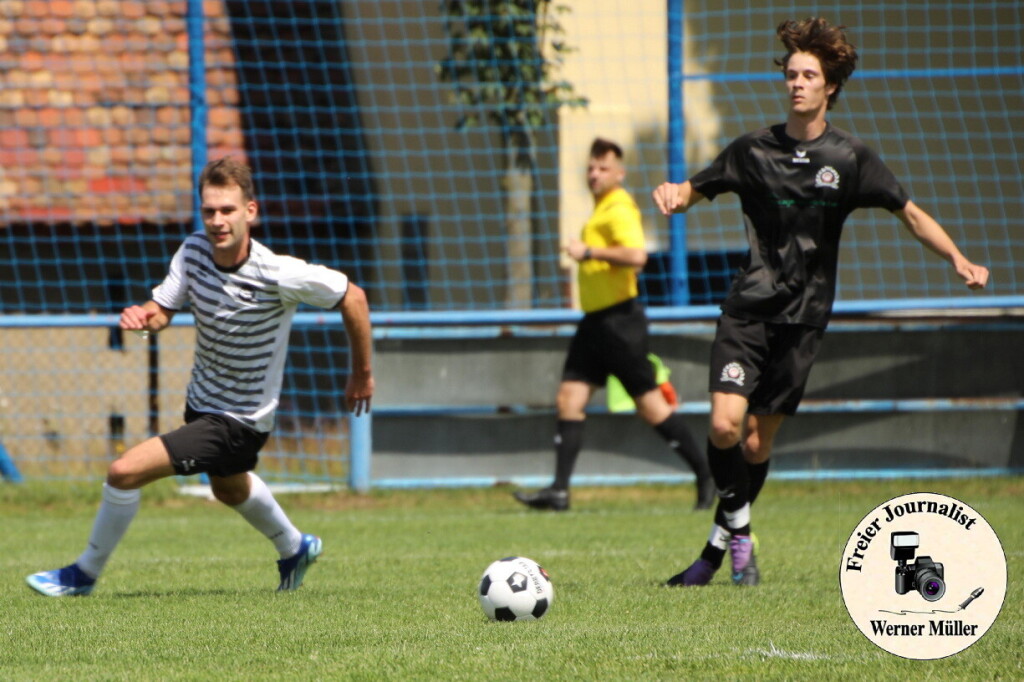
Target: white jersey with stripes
(243, 318)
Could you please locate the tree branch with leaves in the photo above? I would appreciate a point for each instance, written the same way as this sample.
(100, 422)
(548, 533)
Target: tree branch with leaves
(503, 58)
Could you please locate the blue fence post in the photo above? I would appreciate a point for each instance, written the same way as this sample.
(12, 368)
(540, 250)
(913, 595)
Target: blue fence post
(360, 448)
(197, 93)
(7, 469)
(198, 110)
(679, 271)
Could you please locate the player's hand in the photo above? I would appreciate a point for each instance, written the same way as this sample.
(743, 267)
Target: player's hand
(667, 197)
(974, 276)
(358, 392)
(575, 249)
(135, 318)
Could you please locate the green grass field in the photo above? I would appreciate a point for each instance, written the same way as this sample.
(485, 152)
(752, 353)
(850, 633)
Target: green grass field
(190, 592)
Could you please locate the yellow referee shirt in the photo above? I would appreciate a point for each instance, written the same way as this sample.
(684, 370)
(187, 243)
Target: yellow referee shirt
(614, 222)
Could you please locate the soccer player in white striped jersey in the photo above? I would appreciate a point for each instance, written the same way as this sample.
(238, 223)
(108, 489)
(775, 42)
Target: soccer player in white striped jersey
(243, 297)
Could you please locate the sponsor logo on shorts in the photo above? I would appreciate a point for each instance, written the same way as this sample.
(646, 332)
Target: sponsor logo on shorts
(734, 373)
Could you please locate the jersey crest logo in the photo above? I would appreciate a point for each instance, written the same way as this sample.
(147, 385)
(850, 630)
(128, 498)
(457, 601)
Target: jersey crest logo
(827, 177)
(801, 156)
(734, 373)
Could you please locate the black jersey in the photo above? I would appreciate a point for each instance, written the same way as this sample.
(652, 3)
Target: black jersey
(795, 197)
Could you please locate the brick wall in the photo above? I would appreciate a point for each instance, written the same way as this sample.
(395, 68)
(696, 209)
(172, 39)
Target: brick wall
(94, 109)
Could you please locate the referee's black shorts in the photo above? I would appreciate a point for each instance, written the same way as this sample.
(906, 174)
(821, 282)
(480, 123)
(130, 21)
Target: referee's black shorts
(213, 444)
(765, 362)
(612, 340)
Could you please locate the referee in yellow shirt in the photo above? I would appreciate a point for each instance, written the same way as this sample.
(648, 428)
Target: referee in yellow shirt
(611, 339)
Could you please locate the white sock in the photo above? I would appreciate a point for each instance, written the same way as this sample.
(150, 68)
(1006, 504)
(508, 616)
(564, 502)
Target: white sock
(719, 537)
(263, 512)
(117, 510)
(738, 518)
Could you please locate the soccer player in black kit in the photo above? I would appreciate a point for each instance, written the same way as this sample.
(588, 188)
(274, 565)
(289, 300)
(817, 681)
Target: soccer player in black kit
(797, 183)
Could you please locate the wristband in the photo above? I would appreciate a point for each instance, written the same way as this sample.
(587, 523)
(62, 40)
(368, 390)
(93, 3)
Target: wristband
(587, 255)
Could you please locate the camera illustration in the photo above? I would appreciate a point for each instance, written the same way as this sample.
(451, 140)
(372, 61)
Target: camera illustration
(923, 575)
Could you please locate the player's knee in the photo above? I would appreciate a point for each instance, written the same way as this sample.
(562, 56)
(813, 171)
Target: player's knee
(724, 432)
(232, 497)
(121, 474)
(230, 490)
(568, 406)
(755, 449)
(653, 408)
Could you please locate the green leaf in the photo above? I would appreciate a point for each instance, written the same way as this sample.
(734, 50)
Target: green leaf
(497, 60)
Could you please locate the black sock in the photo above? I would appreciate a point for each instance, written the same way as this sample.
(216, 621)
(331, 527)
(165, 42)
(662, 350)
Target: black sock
(680, 439)
(757, 474)
(568, 441)
(731, 477)
(720, 516)
(712, 555)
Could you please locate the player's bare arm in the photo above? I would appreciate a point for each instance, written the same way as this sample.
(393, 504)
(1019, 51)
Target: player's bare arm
(671, 198)
(150, 316)
(928, 231)
(355, 313)
(625, 256)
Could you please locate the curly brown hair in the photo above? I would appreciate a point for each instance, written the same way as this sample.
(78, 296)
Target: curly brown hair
(828, 43)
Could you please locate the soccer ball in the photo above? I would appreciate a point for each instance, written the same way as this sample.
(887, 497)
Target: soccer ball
(515, 588)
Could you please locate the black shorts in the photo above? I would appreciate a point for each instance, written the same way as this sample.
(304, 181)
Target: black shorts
(213, 444)
(612, 341)
(768, 363)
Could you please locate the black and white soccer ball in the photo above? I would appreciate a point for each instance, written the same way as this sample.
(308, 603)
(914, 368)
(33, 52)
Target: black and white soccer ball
(515, 588)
